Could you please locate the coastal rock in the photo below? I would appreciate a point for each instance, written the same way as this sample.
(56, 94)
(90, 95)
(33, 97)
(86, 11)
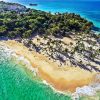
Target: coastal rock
(6, 6)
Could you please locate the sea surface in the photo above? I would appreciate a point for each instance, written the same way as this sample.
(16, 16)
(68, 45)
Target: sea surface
(87, 9)
(19, 83)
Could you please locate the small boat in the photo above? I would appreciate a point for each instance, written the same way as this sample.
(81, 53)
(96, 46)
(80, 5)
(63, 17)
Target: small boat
(33, 4)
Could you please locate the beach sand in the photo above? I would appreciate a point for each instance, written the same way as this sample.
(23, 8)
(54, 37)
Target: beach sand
(65, 78)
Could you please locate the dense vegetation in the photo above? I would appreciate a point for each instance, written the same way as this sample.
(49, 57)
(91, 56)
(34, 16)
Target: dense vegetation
(26, 24)
(83, 49)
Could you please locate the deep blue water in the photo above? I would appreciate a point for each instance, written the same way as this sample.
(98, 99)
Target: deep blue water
(87, 9)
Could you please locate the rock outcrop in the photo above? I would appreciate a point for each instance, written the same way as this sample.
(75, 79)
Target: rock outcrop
(5, 6)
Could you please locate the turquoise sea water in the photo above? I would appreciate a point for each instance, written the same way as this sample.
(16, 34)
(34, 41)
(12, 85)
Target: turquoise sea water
(18, 83)
(87, 9)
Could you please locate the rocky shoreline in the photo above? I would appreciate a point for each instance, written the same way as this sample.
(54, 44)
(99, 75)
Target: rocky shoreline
(6, 6)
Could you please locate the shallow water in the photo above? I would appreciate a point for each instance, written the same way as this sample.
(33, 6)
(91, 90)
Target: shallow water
(18, 83)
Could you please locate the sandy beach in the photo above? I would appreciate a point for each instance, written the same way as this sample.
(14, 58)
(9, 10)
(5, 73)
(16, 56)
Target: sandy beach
(65, 78)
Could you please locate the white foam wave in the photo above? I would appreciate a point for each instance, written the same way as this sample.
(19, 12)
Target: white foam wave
(10, 53)
(28, 64)
(89, 90)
